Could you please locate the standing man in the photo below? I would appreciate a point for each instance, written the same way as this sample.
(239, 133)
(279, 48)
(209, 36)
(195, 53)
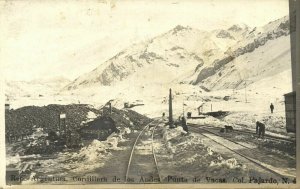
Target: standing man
(184, 125)
(260, 129)
(272, 107)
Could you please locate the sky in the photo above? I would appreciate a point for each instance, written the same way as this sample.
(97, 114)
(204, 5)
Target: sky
(46, 39)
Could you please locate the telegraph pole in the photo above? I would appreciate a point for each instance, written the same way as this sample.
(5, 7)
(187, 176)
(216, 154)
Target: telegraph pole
(170, 110)
(183, 108)
(246, 100)
(246, 91)
(110, 109)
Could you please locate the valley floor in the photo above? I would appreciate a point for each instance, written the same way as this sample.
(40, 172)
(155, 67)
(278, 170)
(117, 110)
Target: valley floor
(201, 156)
(197, 157)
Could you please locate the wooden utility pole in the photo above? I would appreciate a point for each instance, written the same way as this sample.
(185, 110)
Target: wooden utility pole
(246, 99)
(110, 109)
(183, 108)
(170, 110)
(246, 91)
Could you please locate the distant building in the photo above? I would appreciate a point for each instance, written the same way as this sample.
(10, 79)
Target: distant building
(290, 111)
(126, 105)
(7, 107)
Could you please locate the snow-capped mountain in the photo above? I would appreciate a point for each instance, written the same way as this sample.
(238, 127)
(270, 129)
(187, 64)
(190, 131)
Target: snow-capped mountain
(176, 53)
(264, 52)
(37, 87)
(217, 59)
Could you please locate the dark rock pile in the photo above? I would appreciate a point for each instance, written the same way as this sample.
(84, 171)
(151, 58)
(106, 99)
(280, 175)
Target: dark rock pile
(23, 123)
(23, 120)
(127, 118)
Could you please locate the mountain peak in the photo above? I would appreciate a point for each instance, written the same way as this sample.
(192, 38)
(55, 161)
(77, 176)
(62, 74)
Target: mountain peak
(237, 27)
(180, 28)
(180, 50)
(224, 34)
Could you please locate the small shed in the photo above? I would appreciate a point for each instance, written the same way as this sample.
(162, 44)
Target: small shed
(290, 111)
(126, 105)
(99, 129)
(7, 107)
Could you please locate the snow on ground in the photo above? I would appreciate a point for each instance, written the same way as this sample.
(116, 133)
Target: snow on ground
(245, 106)
(12, 159)
(189, 155)
(259, 95)
(91, 115)
(90, 157)
(197, 155)
(178, 140)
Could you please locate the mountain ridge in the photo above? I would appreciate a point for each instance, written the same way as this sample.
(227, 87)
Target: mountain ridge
(183, 50)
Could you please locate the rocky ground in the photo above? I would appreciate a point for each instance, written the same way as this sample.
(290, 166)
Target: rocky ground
(182, 158)
(197, 158)
(40, 158)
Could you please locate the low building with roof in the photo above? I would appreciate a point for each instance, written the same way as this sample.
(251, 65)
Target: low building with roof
(99, 129)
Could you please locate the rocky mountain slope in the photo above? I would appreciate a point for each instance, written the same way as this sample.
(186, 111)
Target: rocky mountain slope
(219, 59)
(264, 52)
(181, 51)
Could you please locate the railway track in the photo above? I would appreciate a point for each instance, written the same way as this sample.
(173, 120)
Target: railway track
(266, 167)
(270, 137)
(142, 165)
